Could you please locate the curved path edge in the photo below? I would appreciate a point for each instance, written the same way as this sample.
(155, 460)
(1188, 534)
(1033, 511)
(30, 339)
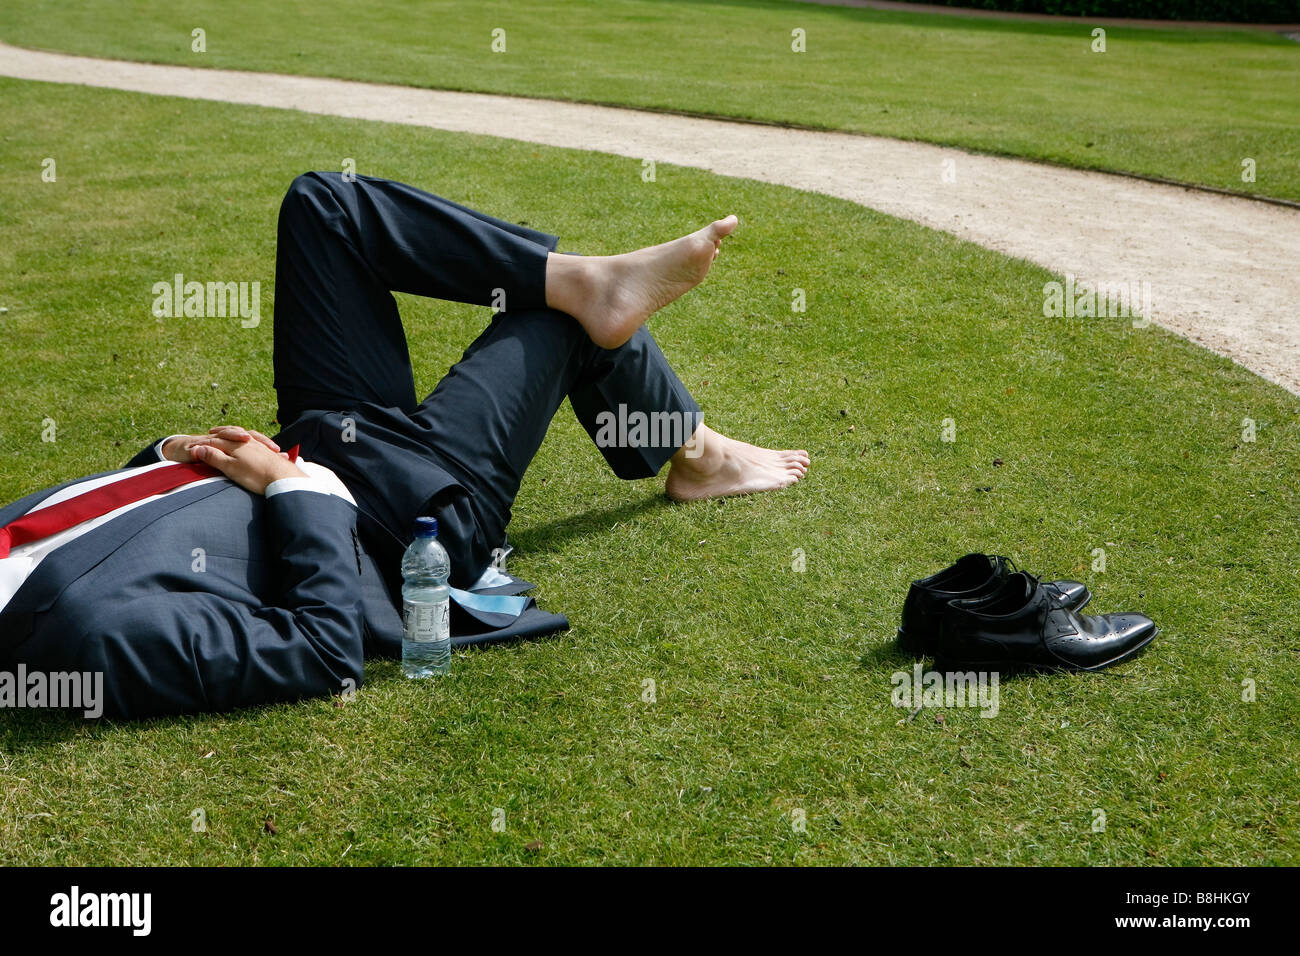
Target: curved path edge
(1223, 271)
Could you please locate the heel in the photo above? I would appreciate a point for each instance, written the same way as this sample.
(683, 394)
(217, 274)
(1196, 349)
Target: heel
(910, 643)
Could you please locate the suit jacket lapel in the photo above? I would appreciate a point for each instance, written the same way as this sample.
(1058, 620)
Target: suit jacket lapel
(72, 560)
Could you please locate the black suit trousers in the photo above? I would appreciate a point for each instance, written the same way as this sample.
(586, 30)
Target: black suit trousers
(344, 246)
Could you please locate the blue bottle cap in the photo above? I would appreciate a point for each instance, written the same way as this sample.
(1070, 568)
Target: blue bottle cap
(426, 527)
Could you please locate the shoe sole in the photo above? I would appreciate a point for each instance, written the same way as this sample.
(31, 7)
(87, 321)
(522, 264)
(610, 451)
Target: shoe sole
(1028, 666)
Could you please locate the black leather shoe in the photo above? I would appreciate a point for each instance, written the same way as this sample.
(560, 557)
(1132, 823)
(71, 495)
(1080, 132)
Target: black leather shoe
(973, 576)
(1024, 625)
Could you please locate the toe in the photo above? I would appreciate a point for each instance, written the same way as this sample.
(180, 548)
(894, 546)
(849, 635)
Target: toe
(724, 227)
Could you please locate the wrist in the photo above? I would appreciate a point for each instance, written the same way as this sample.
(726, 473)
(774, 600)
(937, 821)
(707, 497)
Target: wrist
(164, 445)
(289, 470)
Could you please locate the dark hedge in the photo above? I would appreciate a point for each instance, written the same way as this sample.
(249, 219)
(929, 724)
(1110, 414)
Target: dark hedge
(1236, 11)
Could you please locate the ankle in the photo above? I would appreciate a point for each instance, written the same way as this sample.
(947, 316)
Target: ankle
(702, 453)
(570, 281)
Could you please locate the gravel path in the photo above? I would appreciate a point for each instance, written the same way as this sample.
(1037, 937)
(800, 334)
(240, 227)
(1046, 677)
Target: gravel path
(1220, 270)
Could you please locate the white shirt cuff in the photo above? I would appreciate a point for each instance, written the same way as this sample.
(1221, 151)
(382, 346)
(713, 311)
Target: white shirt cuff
(296, 483)
(157, 449)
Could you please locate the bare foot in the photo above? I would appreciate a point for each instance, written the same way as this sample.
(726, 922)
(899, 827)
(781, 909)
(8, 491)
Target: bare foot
(612, 296)
(725, 466)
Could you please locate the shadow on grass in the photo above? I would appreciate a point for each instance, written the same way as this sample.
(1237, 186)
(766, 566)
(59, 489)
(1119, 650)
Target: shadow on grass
(552, 534)
(27, 730)
(886, 653)
(24, 730)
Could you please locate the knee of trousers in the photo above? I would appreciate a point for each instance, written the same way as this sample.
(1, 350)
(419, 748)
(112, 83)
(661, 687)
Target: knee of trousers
(314, 183)
(310, 195)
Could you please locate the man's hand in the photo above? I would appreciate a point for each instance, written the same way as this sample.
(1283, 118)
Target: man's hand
(178, 447)
(246, 457)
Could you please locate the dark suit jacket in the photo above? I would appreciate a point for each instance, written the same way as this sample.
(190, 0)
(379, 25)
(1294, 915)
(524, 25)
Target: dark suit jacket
(213, 598)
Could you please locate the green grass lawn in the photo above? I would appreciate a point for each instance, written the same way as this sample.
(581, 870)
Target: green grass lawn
(773, 687)
(1180, 104)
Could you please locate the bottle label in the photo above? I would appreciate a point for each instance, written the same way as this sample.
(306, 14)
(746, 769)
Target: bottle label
(425, 623)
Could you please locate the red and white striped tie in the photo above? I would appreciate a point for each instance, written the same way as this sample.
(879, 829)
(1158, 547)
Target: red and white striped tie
(97, 502)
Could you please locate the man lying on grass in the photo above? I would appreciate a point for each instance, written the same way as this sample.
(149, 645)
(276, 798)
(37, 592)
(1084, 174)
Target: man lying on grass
(228, 569)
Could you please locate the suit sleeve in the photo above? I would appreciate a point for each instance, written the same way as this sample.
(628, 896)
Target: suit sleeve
(187, 651)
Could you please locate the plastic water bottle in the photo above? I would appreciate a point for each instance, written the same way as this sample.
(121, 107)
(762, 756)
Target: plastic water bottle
(426, 620)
